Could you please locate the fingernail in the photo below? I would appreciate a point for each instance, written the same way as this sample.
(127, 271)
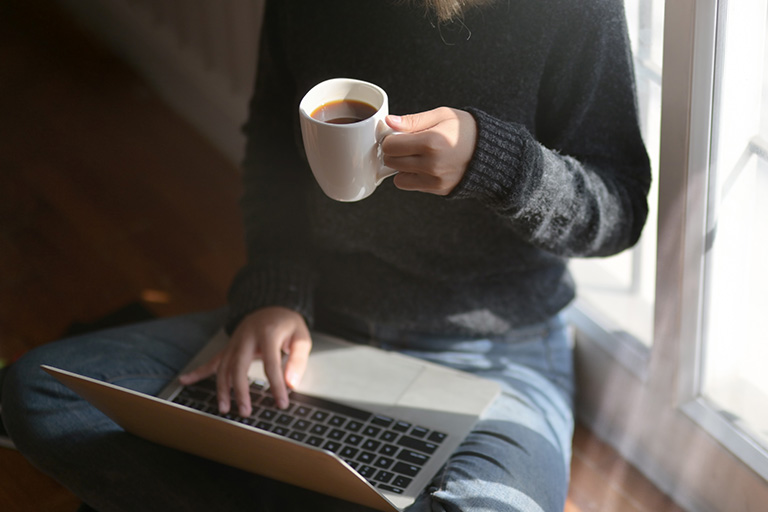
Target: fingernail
(244, 412)
(282, 403)
(223, 407)
(395, 119)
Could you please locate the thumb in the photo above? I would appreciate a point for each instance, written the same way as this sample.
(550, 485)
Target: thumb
(201, 372)
(413, 123)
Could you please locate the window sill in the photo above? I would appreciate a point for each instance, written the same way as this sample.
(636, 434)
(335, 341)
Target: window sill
(598, 330)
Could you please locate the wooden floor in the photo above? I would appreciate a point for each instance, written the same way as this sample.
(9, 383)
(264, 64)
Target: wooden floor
(108, 198)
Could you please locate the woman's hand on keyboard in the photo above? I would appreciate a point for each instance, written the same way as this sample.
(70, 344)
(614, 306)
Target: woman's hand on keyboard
(269, 334)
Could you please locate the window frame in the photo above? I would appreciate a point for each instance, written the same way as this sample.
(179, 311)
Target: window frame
(646, 401)
(692, 402)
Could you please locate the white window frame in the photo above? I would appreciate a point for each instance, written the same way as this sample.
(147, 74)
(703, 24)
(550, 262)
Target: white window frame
(645, 401)
(701, 410)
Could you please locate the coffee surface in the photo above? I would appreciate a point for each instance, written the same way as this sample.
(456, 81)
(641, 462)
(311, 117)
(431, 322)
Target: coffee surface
(343, 111)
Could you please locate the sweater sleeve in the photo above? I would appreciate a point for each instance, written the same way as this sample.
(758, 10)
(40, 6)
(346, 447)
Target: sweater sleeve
(278, 270)
(577, 185)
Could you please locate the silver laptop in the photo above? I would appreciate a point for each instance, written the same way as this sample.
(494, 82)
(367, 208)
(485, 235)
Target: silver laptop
(366, 425)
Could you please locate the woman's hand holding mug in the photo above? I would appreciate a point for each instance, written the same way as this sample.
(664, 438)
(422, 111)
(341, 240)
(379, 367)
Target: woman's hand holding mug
(432, 151)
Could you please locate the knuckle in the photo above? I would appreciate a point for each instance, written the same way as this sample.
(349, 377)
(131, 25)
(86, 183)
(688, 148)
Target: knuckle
(434, 143)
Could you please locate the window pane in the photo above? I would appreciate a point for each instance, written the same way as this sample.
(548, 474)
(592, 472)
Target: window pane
(621, 289)
(734, 330)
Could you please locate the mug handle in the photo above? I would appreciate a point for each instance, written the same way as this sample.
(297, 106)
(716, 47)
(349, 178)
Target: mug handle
(383, 130)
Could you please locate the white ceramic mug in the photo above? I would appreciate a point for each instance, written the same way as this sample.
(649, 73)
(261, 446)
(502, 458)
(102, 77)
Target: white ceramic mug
(346, 158)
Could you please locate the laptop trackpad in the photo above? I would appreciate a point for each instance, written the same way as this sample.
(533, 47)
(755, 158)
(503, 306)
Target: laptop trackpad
(354, 373)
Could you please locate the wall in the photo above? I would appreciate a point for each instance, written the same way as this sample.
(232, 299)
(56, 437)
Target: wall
(199, 55)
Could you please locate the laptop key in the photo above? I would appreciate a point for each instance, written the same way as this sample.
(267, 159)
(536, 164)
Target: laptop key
(281, 431)
(384, 476)
(388, 436)
(417, 444)
(366, 457)
(401, 426)
(319, 429)
(297, 436)
(401, 481)
(366, 471)
(284, 419)
(419, 432)
(210, 409)
(406, 469)
(268, 414)
(383, 462)
(319, 416)
(353, 439)
(196, 394)
(389, 450)
(348, 452)
(303, 411)
(437, 437)
(315, 441)
(354, 426)
(332, 446)
(382, 421)
(412, 457)
(302, 425)
(392, 489)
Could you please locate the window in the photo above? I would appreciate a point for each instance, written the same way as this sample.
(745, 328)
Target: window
(671, 350)
(732, 387)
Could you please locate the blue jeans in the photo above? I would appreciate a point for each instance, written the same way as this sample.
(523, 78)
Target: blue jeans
(517, 457)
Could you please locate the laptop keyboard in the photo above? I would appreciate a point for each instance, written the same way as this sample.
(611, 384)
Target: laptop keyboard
(386, 451)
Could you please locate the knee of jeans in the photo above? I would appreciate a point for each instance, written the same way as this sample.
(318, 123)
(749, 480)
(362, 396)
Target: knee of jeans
(30, 399)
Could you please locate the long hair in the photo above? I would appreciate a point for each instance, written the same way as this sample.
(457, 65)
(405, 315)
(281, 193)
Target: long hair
(448, 10)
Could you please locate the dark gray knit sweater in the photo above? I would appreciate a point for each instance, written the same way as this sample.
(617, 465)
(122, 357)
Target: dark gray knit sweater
(559, 169)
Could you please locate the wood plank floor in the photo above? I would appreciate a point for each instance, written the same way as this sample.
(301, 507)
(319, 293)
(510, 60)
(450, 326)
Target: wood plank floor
(107, 198)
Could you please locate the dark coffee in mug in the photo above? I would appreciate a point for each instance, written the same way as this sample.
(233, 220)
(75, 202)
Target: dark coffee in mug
(343, 111)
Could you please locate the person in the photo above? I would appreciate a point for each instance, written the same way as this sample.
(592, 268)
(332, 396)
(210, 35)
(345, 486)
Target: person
(519, 149)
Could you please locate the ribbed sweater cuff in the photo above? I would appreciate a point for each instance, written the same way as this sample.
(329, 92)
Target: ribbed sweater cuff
(279, 284)
(493, 172)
